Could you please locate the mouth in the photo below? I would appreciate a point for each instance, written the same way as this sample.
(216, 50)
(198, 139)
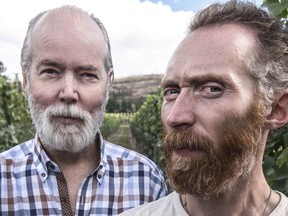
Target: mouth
(68, 120)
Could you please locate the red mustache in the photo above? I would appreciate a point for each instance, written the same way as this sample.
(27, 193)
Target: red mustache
(185, 139)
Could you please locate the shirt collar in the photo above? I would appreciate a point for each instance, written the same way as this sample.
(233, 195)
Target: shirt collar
(43, 163)
(40, 159)
(100, 170)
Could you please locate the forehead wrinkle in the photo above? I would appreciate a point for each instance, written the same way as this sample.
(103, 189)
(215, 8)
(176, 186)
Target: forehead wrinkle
(48, 62)
(62, 66)
(88, 67)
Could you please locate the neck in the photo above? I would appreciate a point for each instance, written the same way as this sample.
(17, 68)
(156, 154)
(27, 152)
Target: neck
(250, 198)
(86, 160)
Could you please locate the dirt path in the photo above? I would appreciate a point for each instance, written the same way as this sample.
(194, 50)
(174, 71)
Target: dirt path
(123, 137)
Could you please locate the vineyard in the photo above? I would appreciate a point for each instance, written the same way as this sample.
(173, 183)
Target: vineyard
(140, 131)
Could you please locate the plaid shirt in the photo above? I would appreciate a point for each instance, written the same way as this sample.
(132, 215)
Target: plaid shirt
(124, 179)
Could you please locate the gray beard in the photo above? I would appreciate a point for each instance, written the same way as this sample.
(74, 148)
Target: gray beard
(60, 137)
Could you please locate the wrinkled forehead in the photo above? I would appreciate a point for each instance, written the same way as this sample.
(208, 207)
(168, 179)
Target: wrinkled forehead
(215, 49)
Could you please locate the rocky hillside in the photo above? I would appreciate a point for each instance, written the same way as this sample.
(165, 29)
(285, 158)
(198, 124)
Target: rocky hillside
(137, 86)
(128, 93)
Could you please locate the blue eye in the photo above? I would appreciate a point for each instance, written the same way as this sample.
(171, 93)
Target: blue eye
(214, 89)
(170, 94)
(211, 91)
(49, 71)
(89, 75)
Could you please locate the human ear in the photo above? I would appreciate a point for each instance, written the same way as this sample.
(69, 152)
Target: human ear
(279, 114)
(111, 77)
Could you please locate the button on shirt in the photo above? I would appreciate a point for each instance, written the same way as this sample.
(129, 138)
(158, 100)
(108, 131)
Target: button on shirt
(124, 179)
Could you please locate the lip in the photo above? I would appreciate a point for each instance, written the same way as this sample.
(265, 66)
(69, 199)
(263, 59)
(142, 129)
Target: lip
(68, 120)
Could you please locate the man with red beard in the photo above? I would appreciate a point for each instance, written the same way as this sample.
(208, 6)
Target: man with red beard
(224, 90)
(68, 169)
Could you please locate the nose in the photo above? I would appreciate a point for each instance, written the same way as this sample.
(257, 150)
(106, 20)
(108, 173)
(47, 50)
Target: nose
(68, 91)
(181, 112)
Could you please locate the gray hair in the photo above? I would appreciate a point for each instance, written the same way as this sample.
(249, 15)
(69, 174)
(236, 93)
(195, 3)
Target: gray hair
(26, 52)
(268, 64)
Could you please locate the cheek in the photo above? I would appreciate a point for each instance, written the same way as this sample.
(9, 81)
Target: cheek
(94, 101)
(164, 114)
(42, 97)
(210, 124)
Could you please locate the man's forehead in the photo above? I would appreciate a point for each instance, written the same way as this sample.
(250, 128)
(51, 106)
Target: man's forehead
(67, 18)
(69, 23)
(206, 49)
(220, 36)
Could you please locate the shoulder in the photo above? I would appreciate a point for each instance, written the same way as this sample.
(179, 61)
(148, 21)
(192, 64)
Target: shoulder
(169, 205)
(134, 167)
(282, 208)
(116, 152)
(14, 161)
(18, 152)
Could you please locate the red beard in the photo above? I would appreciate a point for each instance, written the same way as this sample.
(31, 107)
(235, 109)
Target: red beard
(214, 172)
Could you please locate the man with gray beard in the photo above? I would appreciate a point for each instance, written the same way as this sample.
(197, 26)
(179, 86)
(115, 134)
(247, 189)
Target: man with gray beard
(68, 169)
(224, 90)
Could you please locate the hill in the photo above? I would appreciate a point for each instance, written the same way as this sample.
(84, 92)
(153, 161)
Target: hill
(128, 93)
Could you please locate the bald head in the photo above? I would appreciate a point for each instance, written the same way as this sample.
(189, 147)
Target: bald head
(66, 19)
(60, 22)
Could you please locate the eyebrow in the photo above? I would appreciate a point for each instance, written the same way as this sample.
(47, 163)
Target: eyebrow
(47, 62)
(196, 80)
(208, 78)
(170, 83)
(87, 68)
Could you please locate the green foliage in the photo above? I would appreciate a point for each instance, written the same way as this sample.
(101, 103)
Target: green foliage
(121, 103)
(146, 128)
(275, 159)
(15, 122)
(278, 8)
(111, 123)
